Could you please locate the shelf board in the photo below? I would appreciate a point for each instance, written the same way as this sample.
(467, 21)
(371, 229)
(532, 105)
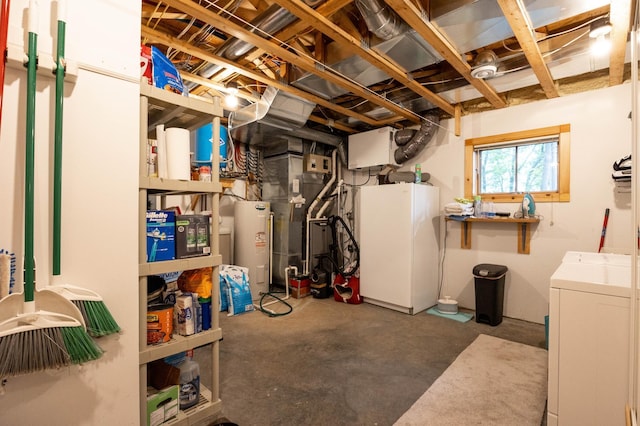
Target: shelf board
(155, 185)
(179, 344)
(174, 110)
(523, 229)
(497, 219)
(163, 267)
(199, 412)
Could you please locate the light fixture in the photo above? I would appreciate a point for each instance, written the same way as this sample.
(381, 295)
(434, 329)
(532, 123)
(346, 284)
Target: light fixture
(599, 30)
(485, 65)
(601, 46)
(231, 100)
(600, 27)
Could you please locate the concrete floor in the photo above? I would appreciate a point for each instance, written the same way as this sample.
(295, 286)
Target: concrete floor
(329, 363)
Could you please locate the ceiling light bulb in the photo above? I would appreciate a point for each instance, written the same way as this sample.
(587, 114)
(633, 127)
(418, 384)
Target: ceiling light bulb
(232, 87)
(601, 46)
(599, 28)
(231, 100)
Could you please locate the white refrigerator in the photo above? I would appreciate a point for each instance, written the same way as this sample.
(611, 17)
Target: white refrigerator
(399, 236)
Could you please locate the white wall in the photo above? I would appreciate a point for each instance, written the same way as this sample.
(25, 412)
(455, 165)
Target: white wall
(99, 217)
(600, 135)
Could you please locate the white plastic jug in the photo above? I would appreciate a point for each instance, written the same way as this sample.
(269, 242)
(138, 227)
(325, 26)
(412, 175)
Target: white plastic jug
(189, 382)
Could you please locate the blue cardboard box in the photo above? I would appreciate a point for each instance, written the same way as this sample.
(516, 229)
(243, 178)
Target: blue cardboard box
(161, 235)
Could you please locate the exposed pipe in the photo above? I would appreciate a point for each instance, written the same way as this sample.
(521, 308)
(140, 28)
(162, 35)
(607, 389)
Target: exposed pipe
(312, 206)
(325, 189)
(286, 285)
(427, 130)
(326, 204)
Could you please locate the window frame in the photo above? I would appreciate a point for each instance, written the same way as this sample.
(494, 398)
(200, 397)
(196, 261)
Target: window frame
(562, 132)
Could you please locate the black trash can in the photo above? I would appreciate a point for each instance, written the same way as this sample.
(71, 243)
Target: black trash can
(489, 285)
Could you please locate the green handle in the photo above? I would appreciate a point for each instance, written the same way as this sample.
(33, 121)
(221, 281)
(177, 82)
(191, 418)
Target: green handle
(57, 150)
(29, 276)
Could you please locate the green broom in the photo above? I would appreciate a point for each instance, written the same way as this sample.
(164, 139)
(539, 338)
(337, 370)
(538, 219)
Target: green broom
(35, 338)
(95, 313)
(96, 316)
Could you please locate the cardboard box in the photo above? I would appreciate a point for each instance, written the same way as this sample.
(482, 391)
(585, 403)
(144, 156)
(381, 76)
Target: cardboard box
(161, 228)
(300, 286)
(299, 292)
(162, 405)
(192, 236)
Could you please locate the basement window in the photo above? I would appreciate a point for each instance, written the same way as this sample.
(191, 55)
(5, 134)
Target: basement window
(502, 167)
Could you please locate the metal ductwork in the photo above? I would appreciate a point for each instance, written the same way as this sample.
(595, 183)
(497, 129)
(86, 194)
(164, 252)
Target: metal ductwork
(269, 22)
(422, 137)
(381, 19)
(468, 24)
(399, 43)
(277, 114)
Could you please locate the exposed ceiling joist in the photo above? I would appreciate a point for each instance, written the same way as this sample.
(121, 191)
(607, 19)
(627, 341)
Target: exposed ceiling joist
(326, 9)
(302, 62)
(217, 87)
(168, 40)
(620, 18)
(414, 17)
(349, 43)
(332, 124)
(520, 23)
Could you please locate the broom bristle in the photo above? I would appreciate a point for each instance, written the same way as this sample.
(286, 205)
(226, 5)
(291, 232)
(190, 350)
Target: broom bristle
(45, 348)
(80, 346)
(97, 317)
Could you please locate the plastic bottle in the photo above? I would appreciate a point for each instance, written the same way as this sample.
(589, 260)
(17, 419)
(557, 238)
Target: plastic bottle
(189, 382)
(477, 206)
(418, 173)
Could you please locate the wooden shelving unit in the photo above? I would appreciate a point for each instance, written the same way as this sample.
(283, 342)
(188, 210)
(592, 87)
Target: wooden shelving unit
(523, 226)
(162, 107)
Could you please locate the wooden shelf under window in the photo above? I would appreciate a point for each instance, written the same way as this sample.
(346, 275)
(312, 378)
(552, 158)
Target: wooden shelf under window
(522, 225)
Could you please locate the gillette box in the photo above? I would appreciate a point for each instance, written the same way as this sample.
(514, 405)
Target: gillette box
(192, 236)
(161, 229)
(162, 405)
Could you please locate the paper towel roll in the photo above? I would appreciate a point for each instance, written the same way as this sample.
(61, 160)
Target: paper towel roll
(161, 151)
(185, 315)
(178, 154)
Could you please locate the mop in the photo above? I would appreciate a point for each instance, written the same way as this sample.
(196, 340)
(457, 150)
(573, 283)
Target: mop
(32, 338)
(95, 313)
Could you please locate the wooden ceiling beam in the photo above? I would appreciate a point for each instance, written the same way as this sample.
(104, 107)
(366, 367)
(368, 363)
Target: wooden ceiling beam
(332, 124)
(160, 37)
(620, 19)
(520, 23)
(307, 64)
(354, 45)
(417, 19)
(217, 87)
(326, 9)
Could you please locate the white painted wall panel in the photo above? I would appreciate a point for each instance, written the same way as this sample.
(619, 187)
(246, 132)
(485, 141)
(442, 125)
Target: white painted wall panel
(600, 135)
(99, 241)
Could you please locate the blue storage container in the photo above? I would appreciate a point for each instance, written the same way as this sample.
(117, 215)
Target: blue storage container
(203, 145)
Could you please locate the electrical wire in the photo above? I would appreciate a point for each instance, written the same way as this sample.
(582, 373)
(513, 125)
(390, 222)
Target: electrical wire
(444, 253)
(320, 64)
(354, 185)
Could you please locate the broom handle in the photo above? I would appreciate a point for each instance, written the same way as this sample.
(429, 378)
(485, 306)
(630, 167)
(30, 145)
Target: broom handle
(604, 229)
(57, 168)
(4, 28)
(29, 275)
